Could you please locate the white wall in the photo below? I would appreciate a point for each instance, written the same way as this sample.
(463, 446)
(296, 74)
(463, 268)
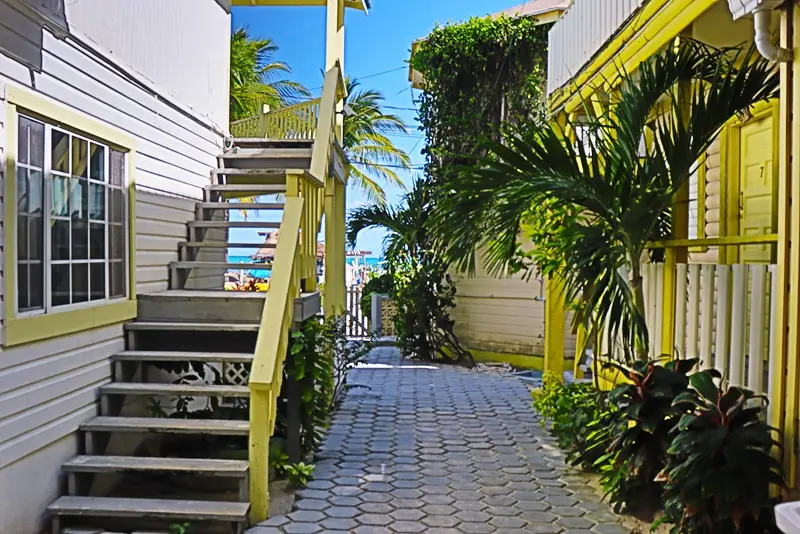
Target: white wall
(182, 46)
(48, 388)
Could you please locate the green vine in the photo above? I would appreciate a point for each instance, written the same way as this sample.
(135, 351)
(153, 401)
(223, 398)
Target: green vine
(479, 76)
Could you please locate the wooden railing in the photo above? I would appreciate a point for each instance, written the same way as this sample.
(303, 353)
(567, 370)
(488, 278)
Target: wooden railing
(307, 198)
(292, 122)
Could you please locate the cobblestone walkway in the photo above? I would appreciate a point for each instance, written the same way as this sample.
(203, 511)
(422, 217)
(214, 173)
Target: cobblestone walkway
(440, 451)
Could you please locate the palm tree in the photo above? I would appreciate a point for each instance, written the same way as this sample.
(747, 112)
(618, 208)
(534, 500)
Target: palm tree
(618, 186)
(421, 289)
(255, 77)
(372, 154)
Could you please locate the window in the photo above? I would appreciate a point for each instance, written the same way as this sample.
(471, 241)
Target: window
(71, 219)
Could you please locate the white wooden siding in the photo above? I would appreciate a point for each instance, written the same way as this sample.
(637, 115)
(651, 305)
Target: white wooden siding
(48, 388)
(713, 204)
(580, 33)
(182, 46)
(503, 315)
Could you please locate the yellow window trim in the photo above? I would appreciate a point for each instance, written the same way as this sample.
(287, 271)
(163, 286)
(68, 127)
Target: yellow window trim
(20, 330)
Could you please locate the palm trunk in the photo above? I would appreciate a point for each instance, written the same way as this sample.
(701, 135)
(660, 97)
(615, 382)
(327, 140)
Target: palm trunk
(638, 302)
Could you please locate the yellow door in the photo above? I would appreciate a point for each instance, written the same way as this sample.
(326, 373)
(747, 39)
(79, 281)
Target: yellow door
(755, 184)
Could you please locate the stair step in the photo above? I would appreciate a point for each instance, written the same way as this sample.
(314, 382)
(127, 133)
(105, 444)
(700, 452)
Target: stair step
(247, 188)
(222, 244)
(173, 325)
(188, 390)
(165, 425)
(240, 206)
(217, 265)
(176, 356)
(233, 224)
(120, 464)
(263, 142)
(234, 512)
(257, 172)
(270, 153)
(104, 531)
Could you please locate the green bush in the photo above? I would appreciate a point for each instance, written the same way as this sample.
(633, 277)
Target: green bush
(575, 413)
(383, 284)
(719, 466)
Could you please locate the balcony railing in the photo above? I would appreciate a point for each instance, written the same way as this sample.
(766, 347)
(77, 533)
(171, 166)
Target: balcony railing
(580, 34)
(292, 122)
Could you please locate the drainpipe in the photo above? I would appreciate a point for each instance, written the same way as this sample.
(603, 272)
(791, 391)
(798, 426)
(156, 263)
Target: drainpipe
(762, 16)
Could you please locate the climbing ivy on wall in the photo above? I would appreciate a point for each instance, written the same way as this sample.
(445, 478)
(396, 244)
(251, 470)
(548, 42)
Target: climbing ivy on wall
(478, 75)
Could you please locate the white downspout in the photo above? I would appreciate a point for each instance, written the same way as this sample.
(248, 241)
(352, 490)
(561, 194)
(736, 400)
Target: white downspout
(762, 16)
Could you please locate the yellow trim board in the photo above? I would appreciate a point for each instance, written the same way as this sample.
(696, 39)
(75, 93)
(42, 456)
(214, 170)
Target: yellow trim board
(647, 31)
(40, 327)
(57, 323)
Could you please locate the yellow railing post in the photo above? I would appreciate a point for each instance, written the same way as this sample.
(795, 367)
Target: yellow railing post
(260, 432)
(554, 328)
(580, 349)
(335, 258)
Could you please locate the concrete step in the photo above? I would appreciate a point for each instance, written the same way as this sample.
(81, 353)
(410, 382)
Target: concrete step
(217, 191)
(233, 512)
(267, 158)
(123, 464)
(201, 306)
(180, 356)
(266, 153)
(184, 390)
(165, 425)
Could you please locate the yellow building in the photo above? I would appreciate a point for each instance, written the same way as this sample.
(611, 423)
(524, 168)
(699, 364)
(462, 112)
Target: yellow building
(727, 292)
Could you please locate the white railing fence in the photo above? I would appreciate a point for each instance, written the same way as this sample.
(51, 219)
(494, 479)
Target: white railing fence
(356, 323)
(725, 318)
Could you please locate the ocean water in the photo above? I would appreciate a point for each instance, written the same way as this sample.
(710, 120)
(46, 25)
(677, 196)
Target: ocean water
(265, 273)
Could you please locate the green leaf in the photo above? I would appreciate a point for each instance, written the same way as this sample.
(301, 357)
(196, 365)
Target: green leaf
(704, 384)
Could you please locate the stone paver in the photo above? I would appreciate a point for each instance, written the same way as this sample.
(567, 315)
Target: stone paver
(439, 449)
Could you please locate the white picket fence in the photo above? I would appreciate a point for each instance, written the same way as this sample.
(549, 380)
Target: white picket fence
(726, 318)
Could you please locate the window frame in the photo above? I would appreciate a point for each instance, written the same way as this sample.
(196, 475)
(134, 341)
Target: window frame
(21, 328)
(48, 218)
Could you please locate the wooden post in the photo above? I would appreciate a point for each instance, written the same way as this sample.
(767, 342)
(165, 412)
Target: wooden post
(335, 258)
(580, 351)
(784, 389)
(259, 454)
(554, 328)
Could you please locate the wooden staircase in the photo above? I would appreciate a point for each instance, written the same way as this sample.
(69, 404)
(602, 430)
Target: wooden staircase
(127, 479)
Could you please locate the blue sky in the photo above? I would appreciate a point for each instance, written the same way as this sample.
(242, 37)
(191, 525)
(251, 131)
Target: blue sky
(376, 43)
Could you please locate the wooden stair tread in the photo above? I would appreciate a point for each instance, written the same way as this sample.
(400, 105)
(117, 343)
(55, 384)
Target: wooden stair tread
(150, 508)
(172, 325)
(234, 224)
(244, 188)
(201, 466)
(206, 294)
(198, 390)
(257, 172)
(267, 153)
(218, 265)
(269, 140)
(220, 427)
(222, 244)
(104, 531)
(241, 206)
(178, 356)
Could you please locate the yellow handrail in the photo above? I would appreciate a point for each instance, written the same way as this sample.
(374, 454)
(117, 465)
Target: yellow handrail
(727, 241)
(295, 263)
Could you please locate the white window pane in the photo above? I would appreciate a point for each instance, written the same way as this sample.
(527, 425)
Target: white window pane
(80, 282)
(59, 240)
(117, 279)
(80, 157)
(97, 241)
(59, 196)
(36, 281)
(98, 162)
(31, 142)
(59, 281)
(59, 151)
(97, 202)
(98, 281)
(117, 168)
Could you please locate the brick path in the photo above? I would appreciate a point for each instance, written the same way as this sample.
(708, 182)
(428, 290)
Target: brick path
(440, 451)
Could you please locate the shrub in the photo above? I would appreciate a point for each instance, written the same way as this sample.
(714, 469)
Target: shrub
(638, 449)
(719, 466)
(575, 412)
(299, 474)
(382, 284)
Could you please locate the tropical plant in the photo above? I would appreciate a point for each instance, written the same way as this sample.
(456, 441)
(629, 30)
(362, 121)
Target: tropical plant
(299, 474)
(572, 412)
(719, 467)
(422, 290)
(381, 284)
(638, 449)
(373, 155)
(619, 181)
(256, 77)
